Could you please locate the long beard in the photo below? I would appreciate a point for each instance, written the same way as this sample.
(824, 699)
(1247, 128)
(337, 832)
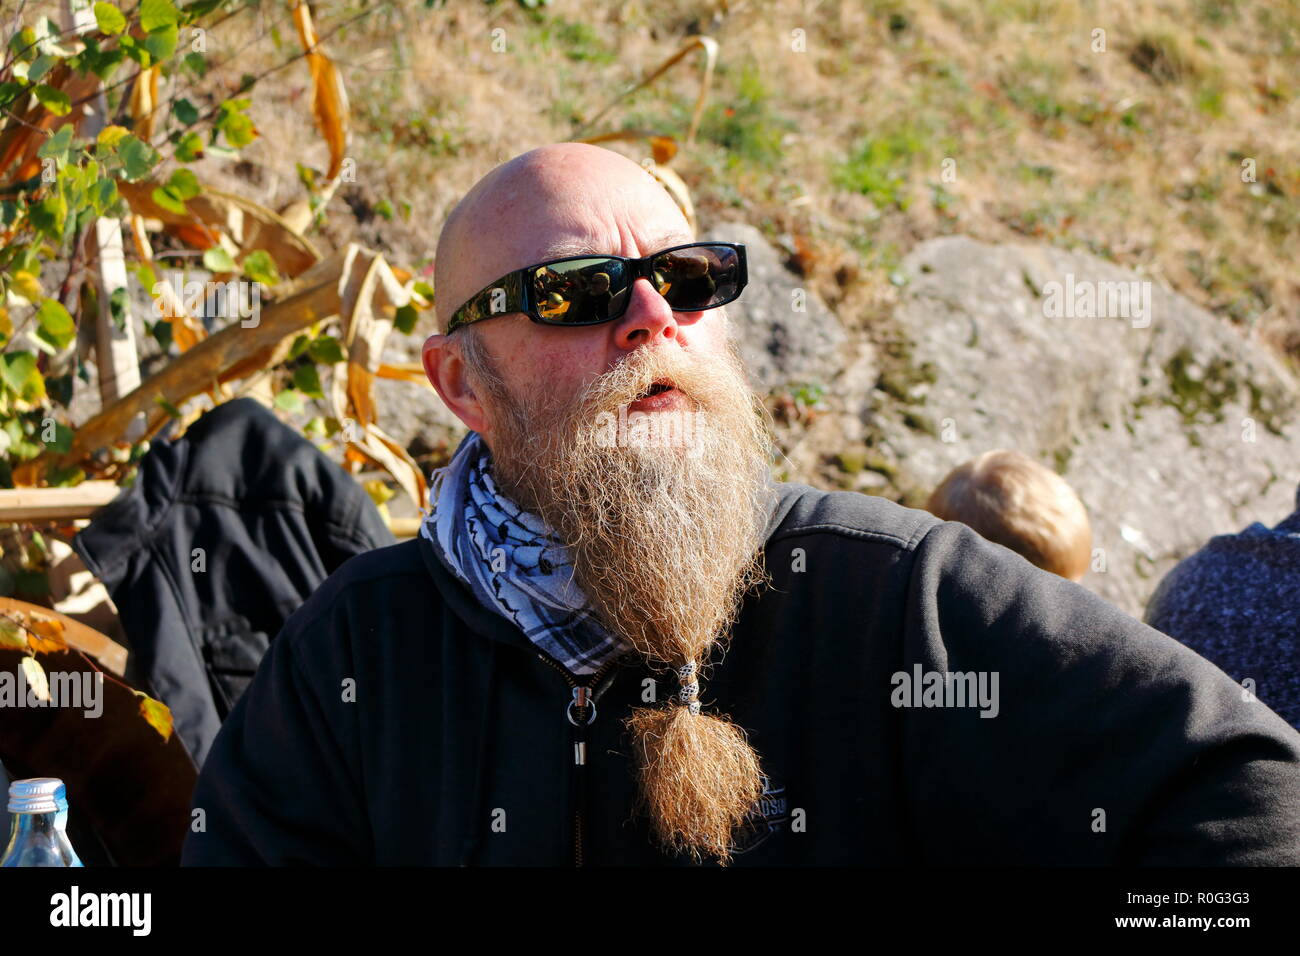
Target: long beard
(665, 527)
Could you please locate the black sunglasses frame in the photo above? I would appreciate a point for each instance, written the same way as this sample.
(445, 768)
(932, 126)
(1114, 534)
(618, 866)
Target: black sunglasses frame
(516, 286)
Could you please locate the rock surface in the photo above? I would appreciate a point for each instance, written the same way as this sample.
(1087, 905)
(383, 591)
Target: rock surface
(789, 335)
(1171, 426)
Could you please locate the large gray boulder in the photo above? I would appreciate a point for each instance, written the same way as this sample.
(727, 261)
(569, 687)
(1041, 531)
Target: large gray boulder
(1171, 425)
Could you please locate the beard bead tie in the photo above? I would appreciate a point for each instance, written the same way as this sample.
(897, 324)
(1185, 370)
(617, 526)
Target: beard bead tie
(690, 692)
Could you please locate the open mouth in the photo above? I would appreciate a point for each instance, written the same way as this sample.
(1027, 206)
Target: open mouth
(658, 388)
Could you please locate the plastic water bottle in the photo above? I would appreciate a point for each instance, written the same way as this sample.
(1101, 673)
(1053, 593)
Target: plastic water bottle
(38, 837)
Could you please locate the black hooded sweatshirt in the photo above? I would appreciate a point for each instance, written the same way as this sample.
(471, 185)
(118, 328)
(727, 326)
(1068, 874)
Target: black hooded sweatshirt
(916, 695)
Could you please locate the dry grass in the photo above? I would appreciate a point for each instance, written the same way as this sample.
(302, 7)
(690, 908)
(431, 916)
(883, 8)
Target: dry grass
(838, 151)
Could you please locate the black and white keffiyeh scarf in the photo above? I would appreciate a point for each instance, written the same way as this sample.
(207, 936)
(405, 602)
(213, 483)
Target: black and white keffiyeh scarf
(512, 562)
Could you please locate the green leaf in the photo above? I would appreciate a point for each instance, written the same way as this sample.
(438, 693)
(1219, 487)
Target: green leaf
(239, 130)
(55, 324)
(186, 112)
(106, 62)
(11, 91)
(167, 406)
(59, 388)
(201, 8)
(103, 194)
(384, 208)
(196, 63)
(117, 300)
(20, 374)
(83, 218)
(62, 439)
(40, 66)
(306, 379)
(260, 267)
(289, 401)
(145, 275)
(326, 350)
(424, 290)
(236, 126)
(157, 14)
(64, 477)
(307, 176)
(218, 259)
(50, 215)
(58, 145)
(12, 637)
(135, 51)
(23, 42)
(190, 147)
(300, 344)
(404, 320)
(138, 158)
(184, 184)
(56, 101)
(164, 197)
(162, 333)
(109, 18)
(162, 43)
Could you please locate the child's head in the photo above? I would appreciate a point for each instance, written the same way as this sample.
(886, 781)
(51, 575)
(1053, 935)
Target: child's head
(1011, 499)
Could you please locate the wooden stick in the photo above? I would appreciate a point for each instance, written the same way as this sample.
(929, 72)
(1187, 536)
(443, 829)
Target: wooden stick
(194, 371)
(38, 504)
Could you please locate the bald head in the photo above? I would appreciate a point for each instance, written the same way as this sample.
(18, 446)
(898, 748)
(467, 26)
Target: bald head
(566, 199)
(556, 200)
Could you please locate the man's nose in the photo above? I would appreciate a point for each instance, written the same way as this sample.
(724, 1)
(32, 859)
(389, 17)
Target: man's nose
(648, 317)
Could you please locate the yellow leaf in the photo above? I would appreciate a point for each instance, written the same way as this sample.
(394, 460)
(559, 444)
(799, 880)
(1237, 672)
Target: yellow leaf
(35, 676)
(157, 715)
(6, 325)
(12, 636)
(378, 491)
(329, 99)
(47, 634)
(27, 285)
(111, 135)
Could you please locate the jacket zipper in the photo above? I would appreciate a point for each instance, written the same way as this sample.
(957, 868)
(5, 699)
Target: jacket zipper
(583, 698)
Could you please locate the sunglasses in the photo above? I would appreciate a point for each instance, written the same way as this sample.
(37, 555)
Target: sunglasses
(589, 290)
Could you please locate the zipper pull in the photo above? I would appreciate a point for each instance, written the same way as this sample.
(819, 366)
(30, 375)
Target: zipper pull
(586, 707)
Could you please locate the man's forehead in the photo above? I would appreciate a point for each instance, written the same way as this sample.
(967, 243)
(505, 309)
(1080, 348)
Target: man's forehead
(589, 245)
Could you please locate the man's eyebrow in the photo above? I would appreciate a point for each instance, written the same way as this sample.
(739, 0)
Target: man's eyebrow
(583, 247)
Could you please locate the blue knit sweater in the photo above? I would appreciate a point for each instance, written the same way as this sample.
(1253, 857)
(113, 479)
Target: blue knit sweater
(1237, 603)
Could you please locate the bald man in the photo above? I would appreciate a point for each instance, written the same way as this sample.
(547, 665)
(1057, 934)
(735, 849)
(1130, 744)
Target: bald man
(540, 676)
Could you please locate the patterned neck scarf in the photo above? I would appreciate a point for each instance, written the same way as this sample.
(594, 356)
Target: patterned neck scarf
(512, 562)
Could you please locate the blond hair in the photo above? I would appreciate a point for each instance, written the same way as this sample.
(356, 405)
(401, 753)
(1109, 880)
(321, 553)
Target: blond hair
(1014, 501)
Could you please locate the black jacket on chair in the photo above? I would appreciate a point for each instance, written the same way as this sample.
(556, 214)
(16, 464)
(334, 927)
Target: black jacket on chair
(224, 533)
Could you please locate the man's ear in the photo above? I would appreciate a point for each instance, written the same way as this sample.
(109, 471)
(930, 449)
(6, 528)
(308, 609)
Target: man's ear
(448, 375)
